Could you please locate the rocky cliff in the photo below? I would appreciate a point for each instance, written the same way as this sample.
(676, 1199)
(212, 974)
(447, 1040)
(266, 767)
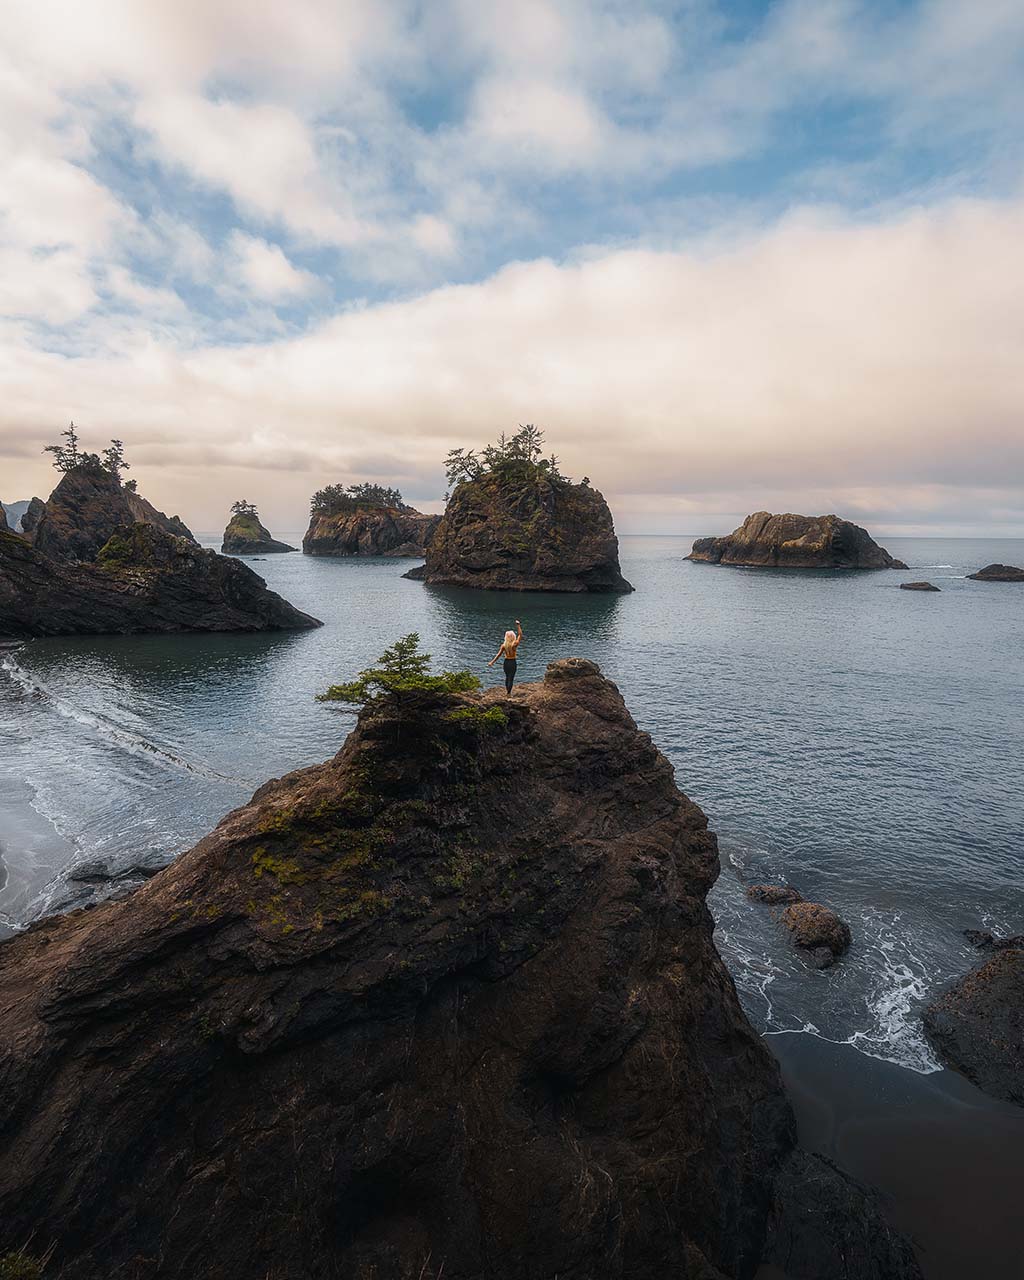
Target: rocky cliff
(795, 542)
(142, 580)
(370, 531)
(525, 532)
(88, 506)
(446, 1006)
(247, 536)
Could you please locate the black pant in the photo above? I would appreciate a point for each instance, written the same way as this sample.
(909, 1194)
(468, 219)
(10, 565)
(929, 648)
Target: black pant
(510, 673)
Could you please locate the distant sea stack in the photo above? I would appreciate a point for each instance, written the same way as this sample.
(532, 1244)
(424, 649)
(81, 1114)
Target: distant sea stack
(87, 507)
(143, 580)
(771, 541)
(514, 523)
(366, 520)
(998, 573)
(246, 536)
(394, 1019)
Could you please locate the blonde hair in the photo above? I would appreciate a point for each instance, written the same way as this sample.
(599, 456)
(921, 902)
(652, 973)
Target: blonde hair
(509, 636)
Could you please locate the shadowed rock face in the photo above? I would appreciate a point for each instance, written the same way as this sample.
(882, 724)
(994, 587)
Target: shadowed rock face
(795, 542)
(446, 1006)
(507, 533)
(32, 515)
(4, 526)
(86, 509)
(977, 1025)
(998, 573)
(370, 531)
(143, 580)
(246, 536)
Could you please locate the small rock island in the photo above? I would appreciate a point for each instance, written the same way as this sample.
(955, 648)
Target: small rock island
(390, 1019)
(366, 520)
(998, 573)
(788, 541)
(515, 523)
(246, 536)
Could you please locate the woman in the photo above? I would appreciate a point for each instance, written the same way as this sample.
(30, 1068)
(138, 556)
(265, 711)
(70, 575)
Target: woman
(509, 648)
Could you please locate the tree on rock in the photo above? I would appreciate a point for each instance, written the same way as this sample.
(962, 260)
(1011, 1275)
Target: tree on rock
(243, 508)
(66, 457)
(400, 670)
(113, 458)
(517, 456)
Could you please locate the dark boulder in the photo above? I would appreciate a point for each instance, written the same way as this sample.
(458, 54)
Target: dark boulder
(817, 931)
(142, 580)
(998, 573)
(394, 1018)
(512, 531)
(771, 541)
(774, 894)
(87, 507)
(370, 531)
(31, 516)
(245, 535)
(977, 1025)
(918, 586)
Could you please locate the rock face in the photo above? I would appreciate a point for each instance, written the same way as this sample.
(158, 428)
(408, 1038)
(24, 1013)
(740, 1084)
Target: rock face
(370, 531)
(246, 536)
(86, 509)
(12, 513)
(998, 573)
(774, 895)
(525, 534)
(918, 586)
(818, 931)
(795, 542)
(32, 515)
(412, 1016)
(977, 1025)
(143, 580)
(4, 526)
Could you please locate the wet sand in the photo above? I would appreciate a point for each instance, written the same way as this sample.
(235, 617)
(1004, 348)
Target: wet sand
(948, 1160)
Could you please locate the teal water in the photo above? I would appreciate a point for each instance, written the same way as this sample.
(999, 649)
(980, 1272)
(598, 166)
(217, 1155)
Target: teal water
(864, 743)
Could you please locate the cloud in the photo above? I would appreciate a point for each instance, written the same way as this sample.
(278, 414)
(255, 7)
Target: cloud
(265, 270)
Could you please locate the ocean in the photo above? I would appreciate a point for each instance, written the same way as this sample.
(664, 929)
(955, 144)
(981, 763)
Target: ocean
(863, 743)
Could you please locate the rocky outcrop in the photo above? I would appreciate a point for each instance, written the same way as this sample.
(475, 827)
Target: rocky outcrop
(143, 580)
(31, 516)
(247, 536)
(817, 931)
(984, 940)
(918, 586)
(977, 1025)
(88, 506)
(370, 531)
(998, 573)
(397, 1018)
(774, 895)
(509, 532)
(795, 542)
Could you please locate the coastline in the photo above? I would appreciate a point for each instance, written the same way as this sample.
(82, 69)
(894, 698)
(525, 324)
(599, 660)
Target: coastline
(32, 851)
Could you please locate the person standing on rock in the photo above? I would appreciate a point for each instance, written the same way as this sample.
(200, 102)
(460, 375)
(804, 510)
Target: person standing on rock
(508, 649)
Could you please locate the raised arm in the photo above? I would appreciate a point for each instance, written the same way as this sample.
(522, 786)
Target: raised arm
(519, 628)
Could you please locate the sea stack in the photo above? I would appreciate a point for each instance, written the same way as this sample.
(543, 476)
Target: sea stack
(245, 535)
(998, 573)
(771, 541)
(366, 520)
(514, 523)
(395, 1018)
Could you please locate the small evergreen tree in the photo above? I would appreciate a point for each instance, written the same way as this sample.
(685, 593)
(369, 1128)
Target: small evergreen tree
(113, 458)
(402, 669)
(132, 486)
(518, 454)
(243, 508)
(66, 457)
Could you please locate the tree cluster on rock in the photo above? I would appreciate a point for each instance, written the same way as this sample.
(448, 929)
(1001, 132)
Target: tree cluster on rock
(339, 499)
(517, 454)
(400, 670)
(243, 508)
(68, 457)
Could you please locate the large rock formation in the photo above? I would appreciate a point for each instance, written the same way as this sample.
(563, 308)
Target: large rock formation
(247, 536)
(509, 531)
(31, 516)
(977, 1025)
(88, 506)
(445, 1006)
(998, 573)
(370, 531)
(142, 580)
(796, 542)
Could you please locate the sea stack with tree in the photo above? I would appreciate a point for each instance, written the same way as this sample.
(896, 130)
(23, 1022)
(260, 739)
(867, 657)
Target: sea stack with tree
(246, 536)
(365, 520)
(767, 541)
(396, 1017)
(514, 522)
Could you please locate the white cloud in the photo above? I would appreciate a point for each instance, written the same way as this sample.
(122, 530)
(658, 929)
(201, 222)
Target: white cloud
(265, 270)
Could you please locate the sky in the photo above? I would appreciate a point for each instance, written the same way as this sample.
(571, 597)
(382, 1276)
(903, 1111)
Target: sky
(729, 256)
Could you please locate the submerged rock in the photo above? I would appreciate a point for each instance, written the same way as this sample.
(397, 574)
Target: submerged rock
(143, 580)
(774, 894)
(918, 586)
(986, 941)
(370, 531)
(977, 1025)
(510, 531)
(87, 507)
(998, 573)
(764, 540)
(818, 931)
(245, 535)
(446, 1006)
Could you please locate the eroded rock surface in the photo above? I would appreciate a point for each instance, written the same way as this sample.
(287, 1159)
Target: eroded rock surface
(370, 531)
(789, 541)
(445, 1007)
(773, 895)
